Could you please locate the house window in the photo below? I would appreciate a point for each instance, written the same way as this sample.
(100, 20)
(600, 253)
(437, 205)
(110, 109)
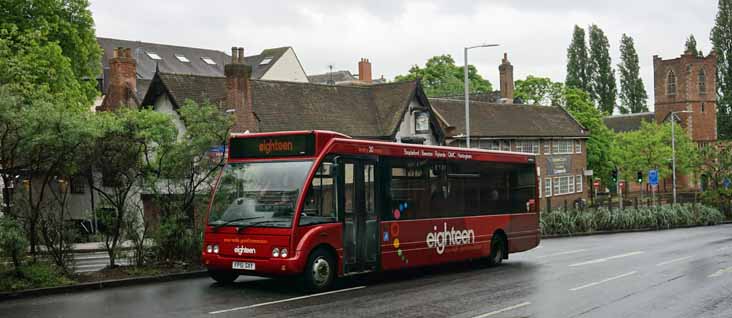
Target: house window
(671, 84)
(578, 146)
(547, 147)
(78, 185)
(422, 122)
(266, 60)
(562, 147)
(154, 56)
(208, 60)
(702, 82)
(506, 145)
(556, 187)
(578, 182)
(182, 58)
(527, 146)
(548, 187)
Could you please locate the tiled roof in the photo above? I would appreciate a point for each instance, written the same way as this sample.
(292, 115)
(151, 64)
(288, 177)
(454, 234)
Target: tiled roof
(258, 69)
(490, 97)
(629, 122)
(369, 111)
(335, 76)
(508, 120)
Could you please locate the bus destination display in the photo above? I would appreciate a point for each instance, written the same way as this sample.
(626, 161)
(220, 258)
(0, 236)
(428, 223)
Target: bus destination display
(275, 146)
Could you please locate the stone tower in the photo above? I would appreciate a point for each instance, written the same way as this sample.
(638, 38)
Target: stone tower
(688, 83)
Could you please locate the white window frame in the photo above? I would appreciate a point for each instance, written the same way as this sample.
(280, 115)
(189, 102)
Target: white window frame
(547, 146)
(507, 144)
(563, 147)
(208, 60)
(578, 184)
(578, 146)
(154, 56)
(547, 187)
(182, 58)
(555, 187)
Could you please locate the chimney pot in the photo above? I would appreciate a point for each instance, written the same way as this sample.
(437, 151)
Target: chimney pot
(364, 70)
(241, 55)
(506, 78)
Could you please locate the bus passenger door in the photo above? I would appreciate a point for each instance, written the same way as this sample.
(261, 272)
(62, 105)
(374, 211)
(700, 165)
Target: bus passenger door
(360, 224)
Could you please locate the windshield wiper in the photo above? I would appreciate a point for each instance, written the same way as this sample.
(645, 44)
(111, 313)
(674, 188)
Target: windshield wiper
(227, 222)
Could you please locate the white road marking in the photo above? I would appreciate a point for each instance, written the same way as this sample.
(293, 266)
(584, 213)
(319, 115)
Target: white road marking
(721, 272)
(285, 300)
(563, 253)
(603, 281)
(674, 260)
(602, 260)
(503, 310)
(724, 248)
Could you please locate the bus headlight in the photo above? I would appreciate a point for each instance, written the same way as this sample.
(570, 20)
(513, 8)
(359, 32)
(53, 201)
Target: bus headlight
(216, 248)
(283, 253)
(275, 252)
(209, 249)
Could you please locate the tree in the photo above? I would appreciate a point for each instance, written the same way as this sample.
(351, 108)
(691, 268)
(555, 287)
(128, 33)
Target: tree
(441, 77)
(716, 169)
(578, 62)
(600, 143)
(603, 76)
(632, 92)
(66, 25)
(187, 175)
(650, 148)
(690, 46)
(125, 153)
(721, 37)
(538, 91)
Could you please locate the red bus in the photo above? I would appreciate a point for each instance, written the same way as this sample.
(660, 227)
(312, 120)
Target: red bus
(322, 205)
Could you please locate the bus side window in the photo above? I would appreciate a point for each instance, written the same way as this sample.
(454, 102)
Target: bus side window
(320, 201)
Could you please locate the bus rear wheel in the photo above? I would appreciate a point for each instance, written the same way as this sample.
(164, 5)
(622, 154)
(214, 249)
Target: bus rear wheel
(223, 277)
(320, 271)
(498, 251)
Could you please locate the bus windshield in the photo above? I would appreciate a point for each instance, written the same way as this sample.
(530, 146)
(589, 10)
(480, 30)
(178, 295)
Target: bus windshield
(258, 194)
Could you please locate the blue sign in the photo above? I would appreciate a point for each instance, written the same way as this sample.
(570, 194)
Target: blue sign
(727, 183)
(653, 177)
(220, 149)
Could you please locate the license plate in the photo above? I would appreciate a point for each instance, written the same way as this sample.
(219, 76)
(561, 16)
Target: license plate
(243, 265)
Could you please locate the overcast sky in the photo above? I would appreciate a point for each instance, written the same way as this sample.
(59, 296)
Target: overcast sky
(397, 34)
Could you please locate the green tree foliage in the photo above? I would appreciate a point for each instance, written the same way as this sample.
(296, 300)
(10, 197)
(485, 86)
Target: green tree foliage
(600, 144)
(125, 151)
(632, 92)
(13, 243)
(604, 88)
(539, 91)
(441, 77)
(716, 167)
(578, 62)
(56, 26)
(650, 148)
(721, 37)
(690, 46)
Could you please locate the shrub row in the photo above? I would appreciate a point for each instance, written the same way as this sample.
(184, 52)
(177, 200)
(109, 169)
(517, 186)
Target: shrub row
(568, 222)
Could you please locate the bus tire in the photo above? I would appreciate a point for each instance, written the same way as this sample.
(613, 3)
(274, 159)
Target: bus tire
(223, 277)
(320, 271)
(498, 250)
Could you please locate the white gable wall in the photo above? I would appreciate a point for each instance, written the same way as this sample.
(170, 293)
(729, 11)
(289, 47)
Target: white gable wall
(164, 105)
(287, 68)
(407, 127)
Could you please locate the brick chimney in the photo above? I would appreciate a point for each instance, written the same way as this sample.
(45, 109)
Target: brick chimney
(364, 70)
(122, 87)
(238, 92)
(506, 74)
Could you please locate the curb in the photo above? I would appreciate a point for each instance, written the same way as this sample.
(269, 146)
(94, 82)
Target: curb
(627, 231)
(100, 285)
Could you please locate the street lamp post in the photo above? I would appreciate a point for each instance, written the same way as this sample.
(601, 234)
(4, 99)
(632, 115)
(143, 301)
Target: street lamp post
(467, 92)
(673, 151)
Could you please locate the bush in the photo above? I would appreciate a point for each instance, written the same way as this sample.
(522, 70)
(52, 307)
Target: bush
(176, 242)
(35, 275)
(13, 242)
(561, 222)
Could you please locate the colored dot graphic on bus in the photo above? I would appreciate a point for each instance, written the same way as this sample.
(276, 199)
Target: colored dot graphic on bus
(396, 243)
(397, 214)
(394, 229)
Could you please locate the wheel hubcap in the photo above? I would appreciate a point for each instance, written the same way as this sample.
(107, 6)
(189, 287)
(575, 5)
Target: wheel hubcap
(321, 271)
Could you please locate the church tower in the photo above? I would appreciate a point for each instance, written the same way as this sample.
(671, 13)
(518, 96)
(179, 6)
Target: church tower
(688, 83)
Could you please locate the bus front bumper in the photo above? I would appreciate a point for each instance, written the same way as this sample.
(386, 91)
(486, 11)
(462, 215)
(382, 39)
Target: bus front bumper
(262, 266)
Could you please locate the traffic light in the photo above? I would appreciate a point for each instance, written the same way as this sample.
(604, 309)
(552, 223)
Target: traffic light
(615, 175)
(640, 177)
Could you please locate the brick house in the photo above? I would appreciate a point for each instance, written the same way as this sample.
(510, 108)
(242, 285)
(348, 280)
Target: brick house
(550, 132)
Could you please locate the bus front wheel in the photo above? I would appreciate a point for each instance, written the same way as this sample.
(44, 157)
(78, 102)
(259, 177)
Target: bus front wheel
(223, 277)
(320, 271)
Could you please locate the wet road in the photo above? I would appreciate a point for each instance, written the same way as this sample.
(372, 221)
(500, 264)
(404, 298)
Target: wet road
(675, 273)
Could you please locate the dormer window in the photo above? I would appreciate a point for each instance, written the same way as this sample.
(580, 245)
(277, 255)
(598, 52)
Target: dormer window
(266, 61)
(208, 60)
(154, 56)
(702, 82)
(671, 84)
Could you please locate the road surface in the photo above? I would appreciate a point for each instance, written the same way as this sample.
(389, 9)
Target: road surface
(674, 273)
